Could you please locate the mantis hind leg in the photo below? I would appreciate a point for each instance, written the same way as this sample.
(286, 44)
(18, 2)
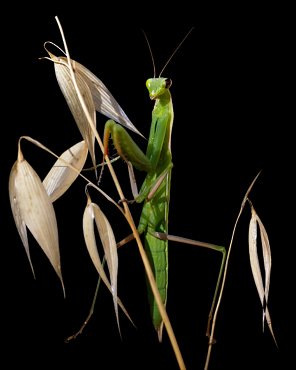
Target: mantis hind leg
(163, 236)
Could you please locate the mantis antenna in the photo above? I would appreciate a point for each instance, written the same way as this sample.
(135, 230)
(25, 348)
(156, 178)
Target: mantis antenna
(174, 51)
(151, 52)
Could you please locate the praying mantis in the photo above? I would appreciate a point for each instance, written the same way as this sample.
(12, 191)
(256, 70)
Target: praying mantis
(155, 191)
(181, 197)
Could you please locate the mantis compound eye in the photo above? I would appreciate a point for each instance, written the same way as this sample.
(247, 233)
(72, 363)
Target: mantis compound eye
(168, 83)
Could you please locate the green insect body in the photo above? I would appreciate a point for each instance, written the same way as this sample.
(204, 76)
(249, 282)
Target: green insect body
(156, 186)
(155, 191)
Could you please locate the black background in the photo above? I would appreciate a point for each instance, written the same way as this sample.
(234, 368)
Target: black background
(232, 102)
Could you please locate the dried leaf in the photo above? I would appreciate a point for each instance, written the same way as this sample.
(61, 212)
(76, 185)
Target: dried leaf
(255, 263)
(266, 257)
(103, 99)
(61, 177)
(19, 221)
(268, 319)
(32, 207)
(95, 95)
(68, 89)
(250, 187)
(92, 211)
(254, 256)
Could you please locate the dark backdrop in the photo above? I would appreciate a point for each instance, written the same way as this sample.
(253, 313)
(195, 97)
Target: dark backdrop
(231, 99)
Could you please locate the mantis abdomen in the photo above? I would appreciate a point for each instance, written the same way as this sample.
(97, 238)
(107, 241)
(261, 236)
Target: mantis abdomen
(156, 211)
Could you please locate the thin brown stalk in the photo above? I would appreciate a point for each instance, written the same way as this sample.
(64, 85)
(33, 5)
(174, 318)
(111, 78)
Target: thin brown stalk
(128, 217)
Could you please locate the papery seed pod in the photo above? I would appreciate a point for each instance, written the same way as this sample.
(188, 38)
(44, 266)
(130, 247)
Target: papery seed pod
(32, 207)
(61, 177)
(263, 293)
(93, 212)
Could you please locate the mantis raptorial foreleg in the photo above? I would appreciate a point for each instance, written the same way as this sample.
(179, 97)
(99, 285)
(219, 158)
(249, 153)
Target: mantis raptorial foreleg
(150, 190)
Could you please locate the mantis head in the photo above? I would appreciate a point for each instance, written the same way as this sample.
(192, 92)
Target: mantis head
(157, 86)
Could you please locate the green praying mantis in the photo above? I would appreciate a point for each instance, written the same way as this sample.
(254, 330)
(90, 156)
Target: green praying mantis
(155, 191)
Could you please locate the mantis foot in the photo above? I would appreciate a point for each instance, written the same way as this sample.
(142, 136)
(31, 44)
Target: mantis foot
(125, 201)
(208, 331)
(79, 331)
(213, 341)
